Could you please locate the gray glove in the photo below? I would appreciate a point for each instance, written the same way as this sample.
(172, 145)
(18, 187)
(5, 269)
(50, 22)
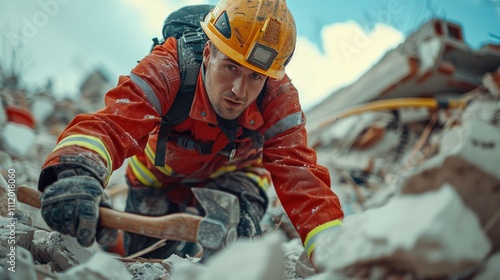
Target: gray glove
(70, 205)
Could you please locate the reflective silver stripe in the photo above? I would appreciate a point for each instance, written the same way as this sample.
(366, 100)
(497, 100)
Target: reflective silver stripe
(284, 125)
(90, 142)
(145, 176)
(146, 88)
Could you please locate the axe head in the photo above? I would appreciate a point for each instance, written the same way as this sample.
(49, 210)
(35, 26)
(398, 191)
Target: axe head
(222, 214)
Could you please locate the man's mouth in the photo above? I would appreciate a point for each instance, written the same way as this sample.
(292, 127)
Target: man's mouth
(233, 103)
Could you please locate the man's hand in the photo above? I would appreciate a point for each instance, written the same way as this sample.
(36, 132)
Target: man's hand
(71, 206)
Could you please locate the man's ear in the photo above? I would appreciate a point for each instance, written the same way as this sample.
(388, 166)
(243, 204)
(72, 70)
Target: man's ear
(206, 53)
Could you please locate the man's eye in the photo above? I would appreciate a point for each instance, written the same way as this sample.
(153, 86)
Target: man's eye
(231, 67)
(256, 76)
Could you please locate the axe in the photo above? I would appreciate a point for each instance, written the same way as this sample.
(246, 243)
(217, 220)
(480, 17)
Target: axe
(213, 232)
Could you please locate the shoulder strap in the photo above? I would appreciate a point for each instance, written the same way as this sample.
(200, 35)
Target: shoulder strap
(190, 53)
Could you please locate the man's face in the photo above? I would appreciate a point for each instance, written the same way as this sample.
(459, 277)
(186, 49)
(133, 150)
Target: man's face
(230, 86)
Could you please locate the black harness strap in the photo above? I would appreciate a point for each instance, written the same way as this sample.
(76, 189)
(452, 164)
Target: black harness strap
(190, 52)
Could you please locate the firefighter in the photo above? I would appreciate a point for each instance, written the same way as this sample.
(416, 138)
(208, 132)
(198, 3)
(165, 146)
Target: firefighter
(228, 142)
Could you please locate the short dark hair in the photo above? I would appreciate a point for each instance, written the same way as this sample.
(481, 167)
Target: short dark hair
(213, 48)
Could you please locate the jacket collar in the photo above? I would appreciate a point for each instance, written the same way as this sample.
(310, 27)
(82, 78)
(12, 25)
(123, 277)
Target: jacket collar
(202, 109)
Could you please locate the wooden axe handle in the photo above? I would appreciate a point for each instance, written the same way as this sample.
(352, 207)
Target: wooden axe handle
(179, 226)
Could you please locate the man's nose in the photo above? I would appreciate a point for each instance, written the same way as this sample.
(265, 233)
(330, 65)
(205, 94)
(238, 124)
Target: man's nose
(239, 87)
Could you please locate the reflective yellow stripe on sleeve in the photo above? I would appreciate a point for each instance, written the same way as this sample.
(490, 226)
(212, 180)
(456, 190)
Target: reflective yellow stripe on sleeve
(143, 174)
(311, 238)
(222, 170)
(167, 170)
(263, 183)
(89, 142)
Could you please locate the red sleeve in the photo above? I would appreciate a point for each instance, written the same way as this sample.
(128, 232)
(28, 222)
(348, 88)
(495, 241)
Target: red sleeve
(302, 185)
(132, 110)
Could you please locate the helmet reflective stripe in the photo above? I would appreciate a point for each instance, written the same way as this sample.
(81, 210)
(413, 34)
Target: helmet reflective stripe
(259, 35)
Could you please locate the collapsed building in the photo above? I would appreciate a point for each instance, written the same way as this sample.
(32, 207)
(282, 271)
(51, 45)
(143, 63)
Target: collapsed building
(413, 148)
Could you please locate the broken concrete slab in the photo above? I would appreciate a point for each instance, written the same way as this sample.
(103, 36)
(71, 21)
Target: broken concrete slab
(491, 269)
(304, 267)
(148, 271)
(13, 233)
(23, 266)
(173, 260)
(492, 82)
(481, 110)
(468, 160)
(24, 219)
(292, 252)
(61, 250)
(3, 196)
(259, 258)
(38, 247)
(100, 266)
(405, 235)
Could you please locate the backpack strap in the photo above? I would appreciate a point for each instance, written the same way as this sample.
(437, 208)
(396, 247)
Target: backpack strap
(190, 52)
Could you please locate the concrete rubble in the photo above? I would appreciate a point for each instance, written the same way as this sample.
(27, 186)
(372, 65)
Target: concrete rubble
(431, 242)
(439, 214)
(264, 255)
(421, 194)
(419, 185)
(149, 271)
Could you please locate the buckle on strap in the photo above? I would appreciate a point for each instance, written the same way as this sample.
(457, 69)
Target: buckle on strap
(230, 154)
(229, 150)
(205, 148)
(189, 144)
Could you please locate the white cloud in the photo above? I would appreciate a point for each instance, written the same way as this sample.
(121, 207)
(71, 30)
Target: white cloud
(154, 12)
(349, 52)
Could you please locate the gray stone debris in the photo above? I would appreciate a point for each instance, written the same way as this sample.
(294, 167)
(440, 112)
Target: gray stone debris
(24, 268)
(14, 233)
(260, 258)
(100, 266)
(3, 192)
(62, 251)
(468, 159)
(173, 260)
(491, 270)
(148, 271)
(303, 266)
(404, 236)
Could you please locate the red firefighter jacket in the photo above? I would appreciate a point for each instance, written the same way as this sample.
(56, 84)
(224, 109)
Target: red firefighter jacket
(127, 127)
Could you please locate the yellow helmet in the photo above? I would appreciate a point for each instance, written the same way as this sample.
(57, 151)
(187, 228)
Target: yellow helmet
(259, 35)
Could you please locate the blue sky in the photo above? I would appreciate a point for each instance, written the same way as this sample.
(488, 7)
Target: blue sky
(64, 39)
(479, 17)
